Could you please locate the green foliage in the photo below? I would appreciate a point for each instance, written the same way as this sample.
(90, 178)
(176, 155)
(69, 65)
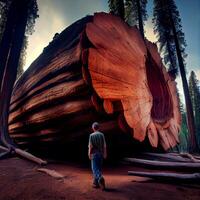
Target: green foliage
(195, 97)
(131, 12)
(116, 7)
(165, 11)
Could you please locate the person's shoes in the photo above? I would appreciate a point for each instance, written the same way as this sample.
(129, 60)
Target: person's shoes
(102, 183)
(95, 185)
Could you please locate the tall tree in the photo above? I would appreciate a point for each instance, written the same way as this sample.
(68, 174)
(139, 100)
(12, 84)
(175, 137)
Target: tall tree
(168, 28)
(136, 14)
(4, 7)
(195, 96)
(116, 7)
(21, 14)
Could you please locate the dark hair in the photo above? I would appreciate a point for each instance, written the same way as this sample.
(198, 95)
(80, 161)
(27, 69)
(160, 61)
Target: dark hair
(95, 126)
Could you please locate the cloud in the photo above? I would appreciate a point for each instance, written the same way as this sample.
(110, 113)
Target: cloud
(55, 16)
(197, 72)
(46, 26)
(149, 31)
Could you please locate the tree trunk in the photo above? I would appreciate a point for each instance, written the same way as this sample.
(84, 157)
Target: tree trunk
(10, 71)
(164, 164)
(7, 38)
(140, 21)
(189, 109)
(167, 176)
(173, 158)
(121, 9)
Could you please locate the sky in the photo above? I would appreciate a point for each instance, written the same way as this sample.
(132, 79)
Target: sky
(56, 15)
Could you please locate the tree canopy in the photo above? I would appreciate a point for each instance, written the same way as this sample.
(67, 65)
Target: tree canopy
(163, 12)
(116, 7)
(131, 12)
(32, 15)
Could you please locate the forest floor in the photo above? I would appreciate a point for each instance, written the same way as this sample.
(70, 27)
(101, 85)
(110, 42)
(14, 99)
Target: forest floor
(20, 180)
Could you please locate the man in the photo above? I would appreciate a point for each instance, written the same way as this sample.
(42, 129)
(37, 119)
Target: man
(96, 152)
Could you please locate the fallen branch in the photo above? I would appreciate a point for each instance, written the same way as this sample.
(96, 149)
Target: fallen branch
(52, 173)
(185, 155)
(4, 154)
(20, 152)
(29, 156)
(167, 176)
(159, 164)
(3, 148)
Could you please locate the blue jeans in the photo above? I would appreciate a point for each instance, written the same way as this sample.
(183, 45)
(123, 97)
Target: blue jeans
(96, 162)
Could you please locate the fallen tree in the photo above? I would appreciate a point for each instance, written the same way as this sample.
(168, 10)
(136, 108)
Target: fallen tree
(164, 164)
(98, 69)
(193, 177)
(172, 157)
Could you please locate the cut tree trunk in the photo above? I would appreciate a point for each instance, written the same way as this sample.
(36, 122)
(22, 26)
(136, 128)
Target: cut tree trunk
(98, 69)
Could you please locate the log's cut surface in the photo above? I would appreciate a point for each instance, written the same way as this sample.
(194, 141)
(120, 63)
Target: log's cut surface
(98, 69)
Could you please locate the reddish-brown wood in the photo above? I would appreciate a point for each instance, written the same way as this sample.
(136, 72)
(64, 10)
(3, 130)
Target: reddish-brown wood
(98, 69)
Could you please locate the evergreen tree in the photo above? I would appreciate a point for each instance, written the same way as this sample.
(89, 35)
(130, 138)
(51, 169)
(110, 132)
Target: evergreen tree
(195, 97)
(136, 14)
(167, 26)
(163, 12)
(116, 7)
(4, 7)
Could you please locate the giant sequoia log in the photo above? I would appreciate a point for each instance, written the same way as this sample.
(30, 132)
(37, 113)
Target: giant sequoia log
(100, 69)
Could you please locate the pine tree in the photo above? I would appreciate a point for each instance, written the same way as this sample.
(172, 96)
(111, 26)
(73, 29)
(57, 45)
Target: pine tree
(163, 11)
(171, 39)
(116, 7)
(195, 97)
(136, 14)
(4, 7)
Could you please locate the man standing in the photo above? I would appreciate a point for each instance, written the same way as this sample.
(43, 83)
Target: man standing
(96, 152)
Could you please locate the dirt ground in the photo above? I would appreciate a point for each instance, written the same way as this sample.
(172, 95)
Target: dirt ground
(20, 180)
